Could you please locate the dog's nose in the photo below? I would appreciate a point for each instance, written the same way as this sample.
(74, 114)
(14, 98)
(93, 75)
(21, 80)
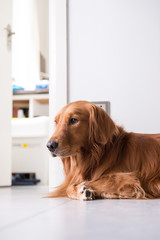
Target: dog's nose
(52, 145)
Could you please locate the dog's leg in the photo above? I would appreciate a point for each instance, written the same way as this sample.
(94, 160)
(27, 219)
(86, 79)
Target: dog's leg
(153, 188)
(118, 185)
(115, 185)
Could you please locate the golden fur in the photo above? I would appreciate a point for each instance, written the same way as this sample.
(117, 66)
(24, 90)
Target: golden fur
(101, 159)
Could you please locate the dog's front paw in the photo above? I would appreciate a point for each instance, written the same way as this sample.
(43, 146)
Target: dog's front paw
(133, 191)
(80, 191)
(85, 193)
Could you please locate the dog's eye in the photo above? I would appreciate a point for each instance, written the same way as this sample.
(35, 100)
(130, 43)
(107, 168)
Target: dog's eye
(73, 121)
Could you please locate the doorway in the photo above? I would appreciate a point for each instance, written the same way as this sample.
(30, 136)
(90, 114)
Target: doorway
(57, 65)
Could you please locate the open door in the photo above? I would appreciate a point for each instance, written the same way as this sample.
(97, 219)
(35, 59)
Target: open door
(5, 91)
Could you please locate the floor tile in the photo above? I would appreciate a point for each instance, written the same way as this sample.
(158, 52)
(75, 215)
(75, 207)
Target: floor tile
(65, 219)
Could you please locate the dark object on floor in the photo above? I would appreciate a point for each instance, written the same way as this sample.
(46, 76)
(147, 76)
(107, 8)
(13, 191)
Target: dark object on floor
(19, 179)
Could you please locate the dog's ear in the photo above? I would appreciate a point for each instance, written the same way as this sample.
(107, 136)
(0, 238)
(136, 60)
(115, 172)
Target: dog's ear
(101, 126)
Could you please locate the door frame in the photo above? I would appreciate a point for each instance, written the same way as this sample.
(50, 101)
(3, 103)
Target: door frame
(58, 96)
(6, 94)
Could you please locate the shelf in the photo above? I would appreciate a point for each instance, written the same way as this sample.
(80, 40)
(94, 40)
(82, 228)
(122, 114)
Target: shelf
(21, 103)
(30, 96)
(36, 103)
(37, 91)
(42, 101)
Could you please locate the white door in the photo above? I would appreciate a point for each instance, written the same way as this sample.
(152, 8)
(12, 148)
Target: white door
(5, 93)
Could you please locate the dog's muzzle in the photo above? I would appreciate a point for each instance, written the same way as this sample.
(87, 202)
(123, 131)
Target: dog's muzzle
(52, 146)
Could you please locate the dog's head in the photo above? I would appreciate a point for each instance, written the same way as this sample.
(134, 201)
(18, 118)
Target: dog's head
(80, 125)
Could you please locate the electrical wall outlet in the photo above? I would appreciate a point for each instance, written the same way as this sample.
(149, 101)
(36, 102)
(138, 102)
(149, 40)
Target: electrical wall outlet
(105, 105)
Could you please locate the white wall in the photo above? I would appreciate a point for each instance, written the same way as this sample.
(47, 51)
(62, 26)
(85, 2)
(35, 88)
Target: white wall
(30, 54)
(25, 46)
(43, 23)
(114, 54)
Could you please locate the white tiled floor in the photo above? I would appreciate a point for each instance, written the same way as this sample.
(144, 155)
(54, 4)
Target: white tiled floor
(24, 214)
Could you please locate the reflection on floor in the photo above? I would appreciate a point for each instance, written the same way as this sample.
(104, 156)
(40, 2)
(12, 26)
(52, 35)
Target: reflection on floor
(25, 214)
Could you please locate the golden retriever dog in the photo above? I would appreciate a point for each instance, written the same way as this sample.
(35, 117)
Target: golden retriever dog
(101, 159)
